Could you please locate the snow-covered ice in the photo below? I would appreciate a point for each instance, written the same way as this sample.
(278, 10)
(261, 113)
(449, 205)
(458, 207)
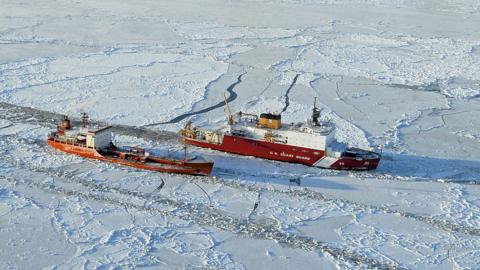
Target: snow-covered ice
(401, 76)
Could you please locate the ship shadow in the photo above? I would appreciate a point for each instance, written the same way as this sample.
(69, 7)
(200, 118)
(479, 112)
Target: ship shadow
(424, 168)
(402, 167)
(318, 182)
(255, 170)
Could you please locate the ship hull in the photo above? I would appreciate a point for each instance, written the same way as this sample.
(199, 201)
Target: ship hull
(153, 163)
(284, 152)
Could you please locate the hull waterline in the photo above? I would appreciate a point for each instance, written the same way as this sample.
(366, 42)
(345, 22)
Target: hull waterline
(286, 153)
(151, 163)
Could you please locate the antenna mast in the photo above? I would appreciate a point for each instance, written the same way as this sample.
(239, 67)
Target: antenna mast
(315, 112)
(85, 119)
(230, 117)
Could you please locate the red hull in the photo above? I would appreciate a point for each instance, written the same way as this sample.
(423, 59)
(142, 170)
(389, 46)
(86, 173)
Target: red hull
(154, 163)
(283, 152)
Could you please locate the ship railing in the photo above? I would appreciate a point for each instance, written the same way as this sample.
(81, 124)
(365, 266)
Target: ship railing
(241, 133)
(316, 130)
(246, 117)
(360, 153)
(247, 120)
(70, 142)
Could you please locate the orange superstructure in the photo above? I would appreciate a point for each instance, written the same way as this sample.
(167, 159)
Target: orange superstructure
(97, 144)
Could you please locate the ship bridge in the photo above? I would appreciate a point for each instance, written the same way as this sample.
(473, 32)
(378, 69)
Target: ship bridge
(321, 128)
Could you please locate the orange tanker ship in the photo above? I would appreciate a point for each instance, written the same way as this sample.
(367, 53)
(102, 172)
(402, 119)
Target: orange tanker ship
(97, 144)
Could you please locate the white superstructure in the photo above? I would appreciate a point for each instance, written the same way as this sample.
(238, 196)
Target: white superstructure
(99, 138)
(304, 135)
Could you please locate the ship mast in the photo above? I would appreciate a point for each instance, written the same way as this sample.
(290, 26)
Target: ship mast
(230, 117)
(85, 119)
(315, 113)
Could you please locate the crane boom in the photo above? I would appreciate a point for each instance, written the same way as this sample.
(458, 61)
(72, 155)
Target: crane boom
(230, 116)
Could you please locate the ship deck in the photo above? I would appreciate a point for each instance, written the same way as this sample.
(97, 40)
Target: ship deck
(322, 128)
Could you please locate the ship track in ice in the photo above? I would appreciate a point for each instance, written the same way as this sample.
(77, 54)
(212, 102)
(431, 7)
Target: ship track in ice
(232, 96)
(202, 215)
(287, 93)
(28, 115)
(300, 192)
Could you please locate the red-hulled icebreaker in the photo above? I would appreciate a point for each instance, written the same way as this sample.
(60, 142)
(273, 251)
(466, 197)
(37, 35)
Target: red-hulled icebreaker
(97, 144)
(312, 143)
